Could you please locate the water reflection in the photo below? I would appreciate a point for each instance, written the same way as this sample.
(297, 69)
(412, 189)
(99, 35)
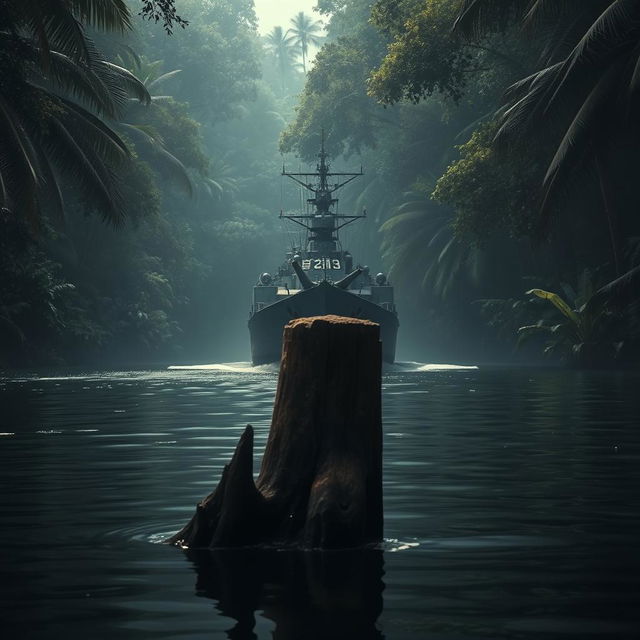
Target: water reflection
(309, 595)
(514, 493)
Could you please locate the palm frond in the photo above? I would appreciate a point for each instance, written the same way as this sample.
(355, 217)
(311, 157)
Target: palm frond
(65, 71)
(162, 78)
(544, 12)
(477, 17)
(99, 135)
(54, 27)
(445, 249)
(148, 132)
(21, 171)
(102, 86)
(210, 184)
(622, 291)
(578, 136)
(525, 98)
(178, 172)
(600, 43)
(82, 83)
(154, 144)
(134, 57)
(278, 38)
(94, 177)
(107, 15)
(559, 35)
(400, 219)
(55, 201)
(133, 86)
(443, 232)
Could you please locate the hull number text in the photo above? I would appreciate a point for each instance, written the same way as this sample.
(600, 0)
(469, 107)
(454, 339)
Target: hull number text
(321, 263)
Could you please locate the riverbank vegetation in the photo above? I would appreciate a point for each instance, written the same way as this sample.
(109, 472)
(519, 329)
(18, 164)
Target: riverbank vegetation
(137, 185)
(139, 163)
(503, 138)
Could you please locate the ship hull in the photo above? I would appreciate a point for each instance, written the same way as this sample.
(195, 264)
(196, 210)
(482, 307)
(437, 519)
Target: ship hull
(266, 325)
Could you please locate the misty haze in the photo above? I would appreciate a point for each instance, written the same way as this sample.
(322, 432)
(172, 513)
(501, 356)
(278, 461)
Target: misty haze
(447, 189)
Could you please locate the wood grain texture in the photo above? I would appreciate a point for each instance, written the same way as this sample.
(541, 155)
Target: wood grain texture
(320, 483)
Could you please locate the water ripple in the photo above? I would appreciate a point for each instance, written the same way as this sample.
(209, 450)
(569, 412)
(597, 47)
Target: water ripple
(511, 500)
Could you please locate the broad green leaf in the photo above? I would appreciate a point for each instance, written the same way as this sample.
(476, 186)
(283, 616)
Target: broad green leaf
(557, 302)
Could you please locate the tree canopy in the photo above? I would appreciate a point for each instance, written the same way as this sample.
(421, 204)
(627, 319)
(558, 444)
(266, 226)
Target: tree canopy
(498, 140)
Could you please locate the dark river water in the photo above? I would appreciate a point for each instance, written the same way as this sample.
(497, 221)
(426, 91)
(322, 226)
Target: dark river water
(512, 510)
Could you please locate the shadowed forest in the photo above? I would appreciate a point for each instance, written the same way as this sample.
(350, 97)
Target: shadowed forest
(141, 146)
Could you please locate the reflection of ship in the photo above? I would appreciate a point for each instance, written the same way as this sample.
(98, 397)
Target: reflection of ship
(319, 279)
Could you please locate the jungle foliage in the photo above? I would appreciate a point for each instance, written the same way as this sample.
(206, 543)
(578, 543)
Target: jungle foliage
(499, 140)
(168, 139)
(510, 128)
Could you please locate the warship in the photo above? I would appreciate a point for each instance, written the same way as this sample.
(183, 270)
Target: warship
(319, 277)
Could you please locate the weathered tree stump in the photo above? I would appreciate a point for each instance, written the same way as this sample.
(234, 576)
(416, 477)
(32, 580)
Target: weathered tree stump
(320, 484)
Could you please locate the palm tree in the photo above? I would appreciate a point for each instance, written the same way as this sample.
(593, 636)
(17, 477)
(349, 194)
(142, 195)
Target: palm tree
(305, 32)
(55, 91)
(584, 95)
(419, 244)
(281, 44)
(147, 139)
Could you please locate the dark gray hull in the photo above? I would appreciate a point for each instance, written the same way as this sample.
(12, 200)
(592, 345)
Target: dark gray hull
(266, 325)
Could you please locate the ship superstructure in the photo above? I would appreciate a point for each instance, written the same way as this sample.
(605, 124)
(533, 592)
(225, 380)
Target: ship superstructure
(319, 277)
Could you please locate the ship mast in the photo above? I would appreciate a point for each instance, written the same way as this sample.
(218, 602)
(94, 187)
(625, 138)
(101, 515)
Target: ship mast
(323, 224)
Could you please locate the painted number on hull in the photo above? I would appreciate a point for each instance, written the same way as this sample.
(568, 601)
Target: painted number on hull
(321, 263)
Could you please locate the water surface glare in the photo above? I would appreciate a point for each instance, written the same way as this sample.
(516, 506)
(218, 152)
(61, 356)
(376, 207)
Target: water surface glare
(512, 510)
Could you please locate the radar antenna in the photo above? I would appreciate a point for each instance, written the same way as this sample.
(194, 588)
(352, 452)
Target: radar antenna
(322, 200)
